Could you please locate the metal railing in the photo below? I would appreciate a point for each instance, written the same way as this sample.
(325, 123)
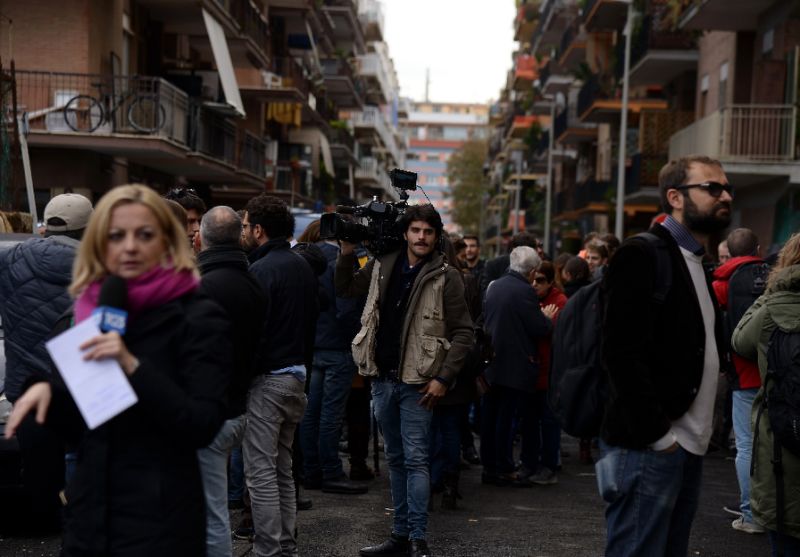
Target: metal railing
(338, 136)
(252, 22)
(373, 117)
(252, 153)
(571, 34)
(591, 191)
(213, 135)
(649, 38)
(369, 169)
(291, 73)
(102, 104)
(371, 65)
(742, 133)
(590, 91)
(370, 13)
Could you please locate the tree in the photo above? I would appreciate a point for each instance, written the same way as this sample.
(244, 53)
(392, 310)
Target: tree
(468, 184)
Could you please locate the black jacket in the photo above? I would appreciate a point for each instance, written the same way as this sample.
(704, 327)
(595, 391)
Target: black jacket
(137, 487)
(515, 323)
(339, 322)
(34, 277)
(292, 305)
(228, 282)
(493, 270)
(653, 355)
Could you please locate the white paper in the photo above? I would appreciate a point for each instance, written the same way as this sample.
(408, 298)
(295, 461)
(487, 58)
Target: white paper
(99, 387)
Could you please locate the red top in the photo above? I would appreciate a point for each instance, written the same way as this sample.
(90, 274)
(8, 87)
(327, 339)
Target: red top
(747, 370)
(557, 297)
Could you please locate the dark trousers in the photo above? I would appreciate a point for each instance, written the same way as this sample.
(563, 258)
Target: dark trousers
(500, 406)
(541, 434)
(358, 424)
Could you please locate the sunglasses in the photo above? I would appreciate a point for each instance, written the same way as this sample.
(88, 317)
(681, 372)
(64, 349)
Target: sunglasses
(539, 280)
(179, 193)
(714, 189)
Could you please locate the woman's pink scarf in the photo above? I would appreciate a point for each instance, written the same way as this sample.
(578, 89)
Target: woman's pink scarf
(152, 289)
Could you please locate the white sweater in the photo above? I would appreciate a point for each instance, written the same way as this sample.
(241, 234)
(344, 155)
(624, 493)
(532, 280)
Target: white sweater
(692, 431)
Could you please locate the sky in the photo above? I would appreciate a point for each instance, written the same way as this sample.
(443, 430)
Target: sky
(467, 45)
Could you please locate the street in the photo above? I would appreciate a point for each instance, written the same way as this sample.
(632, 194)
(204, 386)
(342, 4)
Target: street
(561, 520)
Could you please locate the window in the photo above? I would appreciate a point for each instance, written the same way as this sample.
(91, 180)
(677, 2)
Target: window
(723, 85)
(768, 42)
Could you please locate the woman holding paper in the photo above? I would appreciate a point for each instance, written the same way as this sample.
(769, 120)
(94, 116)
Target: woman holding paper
(137, 489)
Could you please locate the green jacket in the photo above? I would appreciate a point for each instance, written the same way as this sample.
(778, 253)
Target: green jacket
(778, 307)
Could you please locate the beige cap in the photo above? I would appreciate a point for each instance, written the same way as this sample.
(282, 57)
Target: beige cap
(74, 209)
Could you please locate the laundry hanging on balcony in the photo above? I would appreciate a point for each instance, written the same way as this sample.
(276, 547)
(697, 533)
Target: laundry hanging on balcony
(286, 113)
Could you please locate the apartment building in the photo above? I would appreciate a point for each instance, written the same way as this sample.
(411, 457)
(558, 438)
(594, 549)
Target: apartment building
(229, 97)
(745, 111)
(710, 77)
(434, 131)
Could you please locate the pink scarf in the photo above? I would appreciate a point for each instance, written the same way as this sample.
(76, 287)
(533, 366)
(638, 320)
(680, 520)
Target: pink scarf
(152, 289)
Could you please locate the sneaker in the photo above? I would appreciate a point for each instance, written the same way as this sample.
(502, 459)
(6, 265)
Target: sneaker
(544, 476)
(732, 509)
(244, 533)
(748, 527)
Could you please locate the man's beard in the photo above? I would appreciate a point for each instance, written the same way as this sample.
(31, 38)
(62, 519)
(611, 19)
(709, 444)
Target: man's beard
(707, 223)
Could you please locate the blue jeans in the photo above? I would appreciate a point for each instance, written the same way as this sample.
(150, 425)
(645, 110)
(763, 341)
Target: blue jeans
(213, 462)
(742, 408)
(275, 405)
(446, 440)
(406, 435)
(651, 500)
(321, 427)
(236, 475)
(541, 434)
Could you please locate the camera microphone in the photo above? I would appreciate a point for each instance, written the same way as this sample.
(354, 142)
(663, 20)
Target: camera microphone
(109, 313)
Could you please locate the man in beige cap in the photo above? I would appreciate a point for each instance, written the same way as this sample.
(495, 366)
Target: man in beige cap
(34, 276)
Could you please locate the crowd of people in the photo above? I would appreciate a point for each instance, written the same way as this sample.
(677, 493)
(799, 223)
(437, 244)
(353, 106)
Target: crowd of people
(250, 351)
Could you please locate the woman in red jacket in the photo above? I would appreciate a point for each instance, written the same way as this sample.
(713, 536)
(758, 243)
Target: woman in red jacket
(546, 432)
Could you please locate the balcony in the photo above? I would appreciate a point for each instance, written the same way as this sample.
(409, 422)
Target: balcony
(102, 113)
(342, 87)
(525, 72)
(252, 23)
(525, 22)
(604, 15)
(284, 82)
(370, 174)
(572, 50)
(371, 15)
(592, 195)
(595, 106)
(212, 135)
(343, 146)
(657, 57)
(741, 134)
(252, 155)
(346, 30)
(372, 68)
(656, 128)
(569, 130)
(553, 79)
(555, 16)
(721, 15)
(370, 124)
(521, 125)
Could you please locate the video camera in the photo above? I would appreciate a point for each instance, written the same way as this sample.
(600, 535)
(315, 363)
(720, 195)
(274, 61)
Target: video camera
(381, 231)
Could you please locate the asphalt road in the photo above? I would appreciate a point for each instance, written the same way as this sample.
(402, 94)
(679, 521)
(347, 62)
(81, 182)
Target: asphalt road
(561, 520)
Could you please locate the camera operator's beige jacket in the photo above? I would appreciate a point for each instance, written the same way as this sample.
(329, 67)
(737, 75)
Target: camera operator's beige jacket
(437, 329)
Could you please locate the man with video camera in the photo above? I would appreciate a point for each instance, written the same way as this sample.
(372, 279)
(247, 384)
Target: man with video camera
(415, 335)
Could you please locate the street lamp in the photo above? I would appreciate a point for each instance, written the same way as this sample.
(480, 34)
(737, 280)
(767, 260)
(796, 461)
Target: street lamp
(623, 125)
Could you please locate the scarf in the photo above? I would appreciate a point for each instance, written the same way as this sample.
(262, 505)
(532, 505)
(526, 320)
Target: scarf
(152, 289)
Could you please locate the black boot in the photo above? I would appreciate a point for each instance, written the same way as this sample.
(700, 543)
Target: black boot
(395, 546)
(419, 548)
(451, 494)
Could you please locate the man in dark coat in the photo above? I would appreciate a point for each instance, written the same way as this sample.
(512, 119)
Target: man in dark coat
(494, 268)
(516, 324)
(34, 277)
(228, 282)
(662, 359)
(276, 399)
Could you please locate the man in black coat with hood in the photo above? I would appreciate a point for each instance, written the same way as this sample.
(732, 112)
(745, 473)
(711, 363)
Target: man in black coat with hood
(228, 282)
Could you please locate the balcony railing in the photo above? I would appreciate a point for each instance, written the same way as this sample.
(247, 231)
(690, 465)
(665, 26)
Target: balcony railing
(654, 39)
(291, 74)
(371, 65)
(252, 153)
(560, 125)
(741, 133)
(371, 16)
(339, 136)
(369, 169)
(213, 135)
(102, 104)
(591, 191)
(590, 91)
(251, 21)
(372, 117)
(571, 34)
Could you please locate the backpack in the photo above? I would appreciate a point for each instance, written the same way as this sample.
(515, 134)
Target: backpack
(578, 387)
(782, 403)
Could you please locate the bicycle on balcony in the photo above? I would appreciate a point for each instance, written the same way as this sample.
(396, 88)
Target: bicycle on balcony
(143, 110)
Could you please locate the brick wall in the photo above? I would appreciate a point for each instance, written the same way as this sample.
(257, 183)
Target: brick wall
(716, 48)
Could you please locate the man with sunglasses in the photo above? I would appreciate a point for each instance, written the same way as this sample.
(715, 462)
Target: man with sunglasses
(662, 357)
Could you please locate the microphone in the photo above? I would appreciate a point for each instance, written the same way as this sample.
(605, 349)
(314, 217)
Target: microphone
(109, 313)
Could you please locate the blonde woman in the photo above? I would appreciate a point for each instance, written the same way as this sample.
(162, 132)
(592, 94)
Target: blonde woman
(778, 307)
(136, 489)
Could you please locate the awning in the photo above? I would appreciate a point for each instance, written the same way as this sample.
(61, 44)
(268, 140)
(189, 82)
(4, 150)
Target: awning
(222, 57)
(320, 147)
